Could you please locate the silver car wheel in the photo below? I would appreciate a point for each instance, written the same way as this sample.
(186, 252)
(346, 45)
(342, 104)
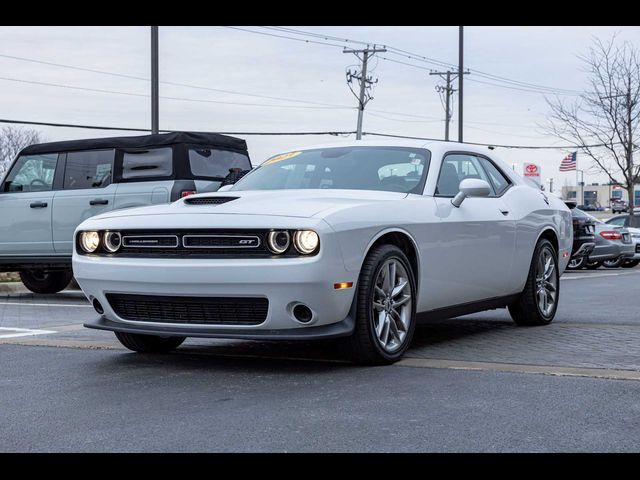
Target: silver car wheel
(546, 282)
(392, 305)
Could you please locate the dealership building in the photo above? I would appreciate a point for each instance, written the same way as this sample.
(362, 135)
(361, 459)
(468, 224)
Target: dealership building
(599, 195)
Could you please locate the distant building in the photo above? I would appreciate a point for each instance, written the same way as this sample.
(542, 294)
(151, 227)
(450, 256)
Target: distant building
(599, 195)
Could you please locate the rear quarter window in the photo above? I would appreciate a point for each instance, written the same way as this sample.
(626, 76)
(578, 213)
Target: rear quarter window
(147, 163)
(214, 163)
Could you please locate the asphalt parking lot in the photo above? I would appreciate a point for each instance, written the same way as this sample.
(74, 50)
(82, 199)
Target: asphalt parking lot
(476, 383)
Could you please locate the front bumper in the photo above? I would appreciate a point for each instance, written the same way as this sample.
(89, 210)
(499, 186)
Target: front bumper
(284, 282)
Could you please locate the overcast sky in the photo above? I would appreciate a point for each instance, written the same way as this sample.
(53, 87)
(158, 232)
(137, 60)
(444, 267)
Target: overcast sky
(405, 101)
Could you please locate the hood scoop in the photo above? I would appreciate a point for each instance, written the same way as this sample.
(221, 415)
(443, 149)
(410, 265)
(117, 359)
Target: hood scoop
(209, 200)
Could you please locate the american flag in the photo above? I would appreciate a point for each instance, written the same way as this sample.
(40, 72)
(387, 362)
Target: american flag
(568, 163)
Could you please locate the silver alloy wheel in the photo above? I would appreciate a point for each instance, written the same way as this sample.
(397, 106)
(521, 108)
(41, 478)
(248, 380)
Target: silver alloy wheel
(392, 305)
(574, 262)
(546, 282)
(613, 263)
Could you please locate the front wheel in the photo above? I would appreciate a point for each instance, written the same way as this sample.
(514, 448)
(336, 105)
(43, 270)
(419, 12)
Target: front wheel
(149, 343)
(538, 301)
(41, 281)
(386, 307)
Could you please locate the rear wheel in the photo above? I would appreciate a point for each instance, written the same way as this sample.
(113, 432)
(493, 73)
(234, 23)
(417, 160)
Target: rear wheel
(630, 263)
(149, 343)
(577, 263)
(41, 281)
(386, 307)
(614, 263)
(538, 301)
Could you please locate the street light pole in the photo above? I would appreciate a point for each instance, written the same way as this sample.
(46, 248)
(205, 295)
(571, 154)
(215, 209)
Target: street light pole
(460, 79)
(155, 87)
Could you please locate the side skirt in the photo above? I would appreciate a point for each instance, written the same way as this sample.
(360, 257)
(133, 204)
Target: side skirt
(466, 308)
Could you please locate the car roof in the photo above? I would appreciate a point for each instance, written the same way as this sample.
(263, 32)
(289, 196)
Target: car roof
(436, 146)
(139, 141)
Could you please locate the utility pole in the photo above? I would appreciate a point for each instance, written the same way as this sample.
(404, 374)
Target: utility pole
(155, 87)
(460, 79)
(551, 185)
(364, 81)
(449, 77)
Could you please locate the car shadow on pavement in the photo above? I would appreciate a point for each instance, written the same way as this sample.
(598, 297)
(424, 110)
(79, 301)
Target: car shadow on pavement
(449, 330)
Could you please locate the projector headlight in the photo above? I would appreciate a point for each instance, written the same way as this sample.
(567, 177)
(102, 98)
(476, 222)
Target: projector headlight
(89, 241)
(112, 241)
(278, 241)
(306, 241)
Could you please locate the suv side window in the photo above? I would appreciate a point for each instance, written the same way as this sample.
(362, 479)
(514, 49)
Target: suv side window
(89, 169)
(32, 173)
(149, 163)
(215, 163)
(499, 181)
(455, 168)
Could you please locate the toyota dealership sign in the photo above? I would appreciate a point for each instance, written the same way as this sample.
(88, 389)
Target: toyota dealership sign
(532, 171)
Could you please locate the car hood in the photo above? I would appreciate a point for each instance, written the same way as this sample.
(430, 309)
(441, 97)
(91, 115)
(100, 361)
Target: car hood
(285, 203)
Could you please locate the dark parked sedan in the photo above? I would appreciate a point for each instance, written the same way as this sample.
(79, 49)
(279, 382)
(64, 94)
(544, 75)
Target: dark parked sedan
(583, 236)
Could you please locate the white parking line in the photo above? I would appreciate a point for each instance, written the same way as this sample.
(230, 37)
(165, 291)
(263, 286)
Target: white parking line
(65, 305)
(23, 332)
(597, 275)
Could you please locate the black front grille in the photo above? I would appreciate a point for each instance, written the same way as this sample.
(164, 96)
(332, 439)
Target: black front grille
(208, 200)
(637, 247)
(203, 243)
(190, 310)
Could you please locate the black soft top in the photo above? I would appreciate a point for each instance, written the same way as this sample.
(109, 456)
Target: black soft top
(141, 141)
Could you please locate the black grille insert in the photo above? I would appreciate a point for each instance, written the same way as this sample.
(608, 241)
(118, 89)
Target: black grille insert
(208, 200)
(637, 247)
(190, 310)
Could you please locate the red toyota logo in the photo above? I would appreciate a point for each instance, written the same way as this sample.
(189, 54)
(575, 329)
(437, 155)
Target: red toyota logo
(531, 168)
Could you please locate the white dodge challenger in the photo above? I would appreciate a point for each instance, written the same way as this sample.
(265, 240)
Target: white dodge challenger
(358, 240)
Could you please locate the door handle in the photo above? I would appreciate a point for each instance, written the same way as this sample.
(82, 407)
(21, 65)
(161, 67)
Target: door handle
(38, 205)
(99, 201)
(504, 212)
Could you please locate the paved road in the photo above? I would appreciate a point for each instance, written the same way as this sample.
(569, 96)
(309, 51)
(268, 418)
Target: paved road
(477, 383)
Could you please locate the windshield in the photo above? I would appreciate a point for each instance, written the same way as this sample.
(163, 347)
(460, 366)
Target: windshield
(393, 169)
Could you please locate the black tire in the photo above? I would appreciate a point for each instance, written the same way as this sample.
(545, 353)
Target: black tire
(630, 263)
(615, 263)
(577, 263)
(149, 343)
(40, 281)
(363, 343)
(593, 265)
(525, 311)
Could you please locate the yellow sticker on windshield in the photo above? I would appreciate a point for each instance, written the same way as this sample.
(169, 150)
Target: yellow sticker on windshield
(283, 156)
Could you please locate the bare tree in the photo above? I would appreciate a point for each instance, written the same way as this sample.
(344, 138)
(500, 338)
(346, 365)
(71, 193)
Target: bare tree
(12, 140)
(603, 121)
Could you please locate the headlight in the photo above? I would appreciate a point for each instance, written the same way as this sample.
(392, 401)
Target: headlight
(112, 241)
(306, 241)
(89, 241)
(278, 241)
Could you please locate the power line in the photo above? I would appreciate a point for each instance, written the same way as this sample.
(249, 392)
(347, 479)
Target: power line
(128, 129)
(183, 99)
(496, 145)
(178, 84)
(433, 61)
(283, 36)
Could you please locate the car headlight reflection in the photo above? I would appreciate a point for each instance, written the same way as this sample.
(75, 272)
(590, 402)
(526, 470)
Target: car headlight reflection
(306, 241)
(89, 241)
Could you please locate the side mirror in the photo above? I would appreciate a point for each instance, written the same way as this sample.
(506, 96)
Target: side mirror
(471, 187)
(225, 188)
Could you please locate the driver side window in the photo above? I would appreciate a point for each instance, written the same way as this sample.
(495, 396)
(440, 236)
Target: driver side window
(32, 173)
(457, 167)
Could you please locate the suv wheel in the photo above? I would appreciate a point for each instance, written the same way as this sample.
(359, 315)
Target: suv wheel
(41, 281)
(613, 263)
(386, 307)
(538, 301)
(149, 343)
(577, 263)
